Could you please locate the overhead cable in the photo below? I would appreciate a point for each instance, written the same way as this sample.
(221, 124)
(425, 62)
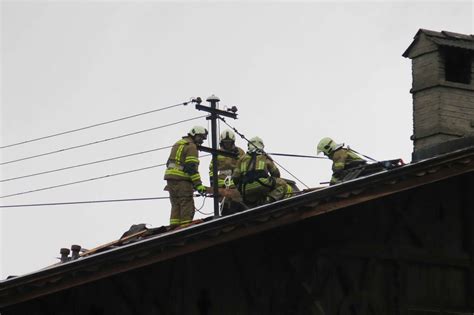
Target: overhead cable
(299, 155)
(85, 164)
(101, 141)
(96, 125)
(248, 141)
(202, 206)
(367, 157)
(291, 174)
(66, 203)
(87, 180)
(83, 181)
(85, 202)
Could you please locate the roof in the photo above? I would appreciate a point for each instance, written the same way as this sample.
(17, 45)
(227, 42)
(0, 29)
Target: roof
(443, 38)
(176, 243)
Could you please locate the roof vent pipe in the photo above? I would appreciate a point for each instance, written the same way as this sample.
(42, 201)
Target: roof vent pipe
(64, 254)
(75, 249)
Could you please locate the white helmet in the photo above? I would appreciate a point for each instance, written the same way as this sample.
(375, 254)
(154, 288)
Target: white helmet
(255, 144)
(327, 145)
(198, 130)
(227, 135)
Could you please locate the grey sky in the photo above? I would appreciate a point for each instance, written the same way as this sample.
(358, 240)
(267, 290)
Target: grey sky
(296, 71)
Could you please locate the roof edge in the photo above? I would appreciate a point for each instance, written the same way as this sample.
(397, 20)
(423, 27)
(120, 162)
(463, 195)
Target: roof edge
(195, 238)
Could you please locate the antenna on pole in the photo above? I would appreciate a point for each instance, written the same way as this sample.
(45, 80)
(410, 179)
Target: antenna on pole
(215, 114)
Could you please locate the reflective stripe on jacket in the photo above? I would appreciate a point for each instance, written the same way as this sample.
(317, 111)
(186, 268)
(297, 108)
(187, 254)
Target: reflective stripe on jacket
(342, 158)
(256, 172)
(183, 162)
(226, 166)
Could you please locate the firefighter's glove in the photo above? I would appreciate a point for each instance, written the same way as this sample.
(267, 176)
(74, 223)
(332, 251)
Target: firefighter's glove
(201, 189)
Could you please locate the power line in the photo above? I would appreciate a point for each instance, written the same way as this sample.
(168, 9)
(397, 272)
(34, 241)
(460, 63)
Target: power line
(80, 202)
(85, 202)
(83, 181)
(243, 137)
(291, 174)
(202, 206)
(66, 203)
(95, 125)
(299, 155)
(87, 180)
(104, 140)
(367, 157)
(85, 164)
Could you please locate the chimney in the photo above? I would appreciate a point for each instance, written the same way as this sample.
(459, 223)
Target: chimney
(443, 92)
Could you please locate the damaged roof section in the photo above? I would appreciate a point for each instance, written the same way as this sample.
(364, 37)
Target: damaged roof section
(145, 251)
(136, 233)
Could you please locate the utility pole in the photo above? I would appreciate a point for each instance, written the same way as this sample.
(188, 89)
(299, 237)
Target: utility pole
(215, 189)
(214, 115)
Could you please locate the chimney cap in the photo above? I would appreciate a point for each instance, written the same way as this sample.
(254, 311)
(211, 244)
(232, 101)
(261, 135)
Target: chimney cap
(443, 38)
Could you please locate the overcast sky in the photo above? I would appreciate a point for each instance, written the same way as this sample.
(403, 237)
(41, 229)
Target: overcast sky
(296, 71)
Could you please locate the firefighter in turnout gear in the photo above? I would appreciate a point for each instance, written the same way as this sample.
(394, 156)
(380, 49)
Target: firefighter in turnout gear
(343, 159)
(225, 167)
(257, 177)
(182, 176)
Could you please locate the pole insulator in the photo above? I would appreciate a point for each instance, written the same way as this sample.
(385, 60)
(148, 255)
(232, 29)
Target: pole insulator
(212, 98)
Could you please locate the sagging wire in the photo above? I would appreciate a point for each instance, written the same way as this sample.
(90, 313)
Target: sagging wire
(98, 124)
(299, 156)
(103, 140)
(248, 141)
(85, 164)
(82, 181)
(80, 202)
(202, 206)
(291, 174)
(89, 179)
(88, 202)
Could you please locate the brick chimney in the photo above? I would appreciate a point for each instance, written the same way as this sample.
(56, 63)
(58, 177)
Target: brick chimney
(443, 92)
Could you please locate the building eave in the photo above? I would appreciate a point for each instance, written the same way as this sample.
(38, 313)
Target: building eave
(221, 230)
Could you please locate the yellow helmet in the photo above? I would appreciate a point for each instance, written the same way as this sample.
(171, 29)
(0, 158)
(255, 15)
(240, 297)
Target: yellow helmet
(227, 134)
(255, 144)
(326, 145)
(198, 130)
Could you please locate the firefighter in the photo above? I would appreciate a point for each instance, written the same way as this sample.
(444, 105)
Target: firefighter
(257, 177)
(182, 176)
(343, 159)
(225, 167)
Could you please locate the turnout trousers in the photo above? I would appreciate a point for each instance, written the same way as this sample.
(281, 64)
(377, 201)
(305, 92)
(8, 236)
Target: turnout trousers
(281, 191)
(182, 202)
(257, 194)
